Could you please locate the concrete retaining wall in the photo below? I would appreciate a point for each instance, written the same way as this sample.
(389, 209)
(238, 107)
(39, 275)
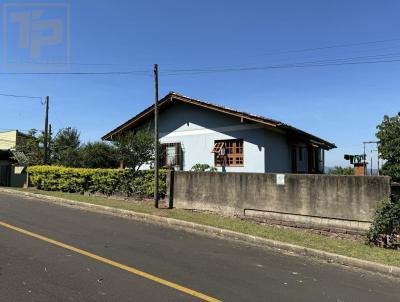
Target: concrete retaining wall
(346, 202)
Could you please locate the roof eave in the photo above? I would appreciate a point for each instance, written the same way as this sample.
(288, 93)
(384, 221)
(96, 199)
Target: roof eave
(267, 122)
(312, 138)
(149, 110)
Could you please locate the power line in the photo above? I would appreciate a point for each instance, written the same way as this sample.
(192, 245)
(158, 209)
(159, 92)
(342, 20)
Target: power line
(379, 58)
(21, 96)
(322, 63)
(329, 47)
(226, 67)
(143, 72)
(77, 63)
(282, 66)
(344, 45)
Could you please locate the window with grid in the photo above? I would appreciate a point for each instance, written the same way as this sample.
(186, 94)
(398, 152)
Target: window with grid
(228, 153)
(171, 155)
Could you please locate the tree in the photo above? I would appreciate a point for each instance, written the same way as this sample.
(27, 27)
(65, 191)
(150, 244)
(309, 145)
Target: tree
(32, 147)
(98, 155)
(135, 149)
(389, 145)
(65, 148)
(342, 171)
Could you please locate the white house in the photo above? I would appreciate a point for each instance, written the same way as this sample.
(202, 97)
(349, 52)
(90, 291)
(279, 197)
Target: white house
(197, 132)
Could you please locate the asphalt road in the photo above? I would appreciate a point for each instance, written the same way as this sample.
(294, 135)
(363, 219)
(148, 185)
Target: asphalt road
(35, 270)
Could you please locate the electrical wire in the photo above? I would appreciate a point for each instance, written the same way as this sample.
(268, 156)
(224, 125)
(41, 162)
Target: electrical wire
(370, 59)
(345, 45)
(21, 96)
(329, 47)
(321, 63)
(77, 63)
(282, 66)
(144, 72)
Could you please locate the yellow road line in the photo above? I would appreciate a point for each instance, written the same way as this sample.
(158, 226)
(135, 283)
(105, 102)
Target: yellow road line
(132, 270)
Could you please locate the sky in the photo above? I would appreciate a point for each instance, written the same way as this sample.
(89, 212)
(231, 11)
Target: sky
(255, 55)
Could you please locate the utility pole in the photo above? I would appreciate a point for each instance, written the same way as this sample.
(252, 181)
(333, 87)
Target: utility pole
(370, 167)
(156, 161)
(46, 132)
(365, 170)
(49, 144)
(377, 147)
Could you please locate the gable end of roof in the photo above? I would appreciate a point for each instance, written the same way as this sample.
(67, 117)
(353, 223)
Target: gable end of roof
(243, 115)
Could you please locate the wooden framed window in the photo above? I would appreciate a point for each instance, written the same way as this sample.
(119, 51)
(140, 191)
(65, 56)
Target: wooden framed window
(228, 153)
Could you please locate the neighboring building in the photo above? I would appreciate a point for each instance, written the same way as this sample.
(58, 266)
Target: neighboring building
(11, 174)
(194, 131)
(9, 139)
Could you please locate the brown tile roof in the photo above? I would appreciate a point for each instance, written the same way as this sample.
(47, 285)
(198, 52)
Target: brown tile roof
(148, 113)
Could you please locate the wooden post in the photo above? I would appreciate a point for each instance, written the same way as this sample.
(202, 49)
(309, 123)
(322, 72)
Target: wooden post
(170, 188)
(46, 133)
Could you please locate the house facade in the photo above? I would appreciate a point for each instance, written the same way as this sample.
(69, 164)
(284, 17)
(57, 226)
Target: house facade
(196, 132)
(11, 174)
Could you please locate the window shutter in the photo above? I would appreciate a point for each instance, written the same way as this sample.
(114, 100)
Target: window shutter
(228, 153)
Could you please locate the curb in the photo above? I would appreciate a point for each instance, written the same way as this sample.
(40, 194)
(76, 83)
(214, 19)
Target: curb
(374, 267)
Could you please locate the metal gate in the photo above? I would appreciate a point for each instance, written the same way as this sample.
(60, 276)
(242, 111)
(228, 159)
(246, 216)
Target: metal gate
(5, 175)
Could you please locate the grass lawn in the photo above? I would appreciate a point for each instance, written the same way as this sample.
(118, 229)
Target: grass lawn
(356, 249)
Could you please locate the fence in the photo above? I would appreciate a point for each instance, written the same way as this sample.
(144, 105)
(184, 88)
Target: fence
(345, 202)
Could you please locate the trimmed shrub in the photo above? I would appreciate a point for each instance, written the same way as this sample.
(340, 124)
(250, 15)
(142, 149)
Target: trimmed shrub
(105, 181)
(385, 229)
(203, 168)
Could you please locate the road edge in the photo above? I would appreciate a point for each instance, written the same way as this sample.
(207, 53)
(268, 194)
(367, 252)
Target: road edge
(370, 266)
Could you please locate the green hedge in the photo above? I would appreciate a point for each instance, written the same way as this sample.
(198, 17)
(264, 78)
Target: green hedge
(104, 181)
(385, 229)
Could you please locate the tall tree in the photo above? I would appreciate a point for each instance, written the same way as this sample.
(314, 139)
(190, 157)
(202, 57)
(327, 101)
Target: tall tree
(65, 148)
(32, 147)
(389, 145)
(98, 155)
(135, 149)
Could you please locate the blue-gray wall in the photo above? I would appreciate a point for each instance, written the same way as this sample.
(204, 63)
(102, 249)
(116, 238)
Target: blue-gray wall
(265, 149)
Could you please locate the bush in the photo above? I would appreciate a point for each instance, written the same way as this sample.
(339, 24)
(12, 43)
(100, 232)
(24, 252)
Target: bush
(203, 168)
(342, 171)
(385, 229)
(104, 181)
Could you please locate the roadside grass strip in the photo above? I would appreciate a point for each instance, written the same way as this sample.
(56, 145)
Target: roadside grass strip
(350, 248)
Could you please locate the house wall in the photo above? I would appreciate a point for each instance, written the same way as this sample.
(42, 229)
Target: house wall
(302, 164)
(8, 140)
(197, 128)
(277, 152)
